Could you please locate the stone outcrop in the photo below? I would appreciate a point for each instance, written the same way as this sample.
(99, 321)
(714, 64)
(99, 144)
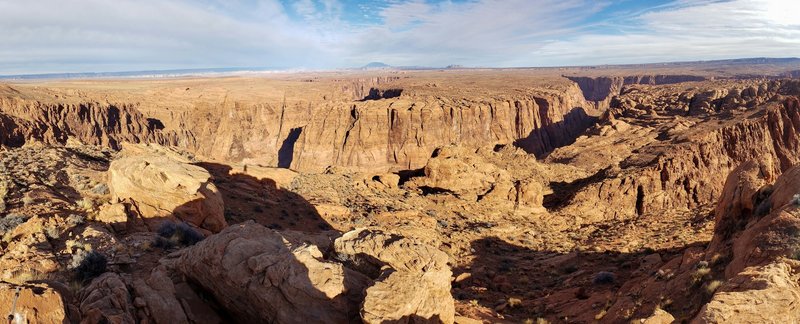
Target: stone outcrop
(165, 185)
(468, 175)
(601, 90)
(399, 261)
(309, 134)
(106, 299)
(765, 294)
(686, 171)
(260, 275)
(165, 297)
(761, 281)
(37, 303)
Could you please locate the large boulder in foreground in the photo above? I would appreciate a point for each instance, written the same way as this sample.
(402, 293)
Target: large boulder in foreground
(106, 300)
(758, 231)
(766, 294)
(165, 185)
(37, 303)
(413, 283)
(263, 276)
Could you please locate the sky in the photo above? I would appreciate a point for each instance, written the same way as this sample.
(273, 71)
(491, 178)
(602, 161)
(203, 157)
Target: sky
(61, 36)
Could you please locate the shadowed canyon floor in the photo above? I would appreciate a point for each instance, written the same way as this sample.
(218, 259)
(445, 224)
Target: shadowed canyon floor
(498, 196)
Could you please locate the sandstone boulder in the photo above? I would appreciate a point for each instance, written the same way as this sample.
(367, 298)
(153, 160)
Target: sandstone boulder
(37, 303)
(659, 317)
(260, 275)
(106, 299)
(158, 294)
(283, 177)
(766, 294)
(164, 184)
(468, 175)
(413, 279)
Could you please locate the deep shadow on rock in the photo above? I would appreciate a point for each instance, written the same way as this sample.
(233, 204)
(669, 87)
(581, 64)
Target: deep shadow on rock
(262, 275)
(247, 197)
(583, 287)
(545, 139)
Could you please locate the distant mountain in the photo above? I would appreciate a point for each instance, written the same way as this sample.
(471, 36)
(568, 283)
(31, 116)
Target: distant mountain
(376, 65)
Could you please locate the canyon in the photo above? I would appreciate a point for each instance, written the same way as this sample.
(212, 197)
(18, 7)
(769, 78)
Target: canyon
(563, 195)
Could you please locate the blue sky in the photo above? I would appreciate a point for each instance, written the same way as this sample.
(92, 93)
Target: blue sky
(44, 36)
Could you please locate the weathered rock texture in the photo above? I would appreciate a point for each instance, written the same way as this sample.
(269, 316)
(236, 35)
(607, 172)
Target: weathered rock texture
(260, 275)
(26, 120)
(106, 299)
(304, 132)
(165, 185)
(37, 304)
(760, 240)
(667, 170)
(398, 262)
(601, 90)
(468, 175)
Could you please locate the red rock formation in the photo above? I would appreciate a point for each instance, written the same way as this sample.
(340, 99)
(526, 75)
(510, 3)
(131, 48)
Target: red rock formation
(90, 123)
(398, 133)
(309, 134)
(601, 90)
(688, 171)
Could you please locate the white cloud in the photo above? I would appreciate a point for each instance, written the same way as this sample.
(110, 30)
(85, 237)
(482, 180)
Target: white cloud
(99, 35)
(689, 31)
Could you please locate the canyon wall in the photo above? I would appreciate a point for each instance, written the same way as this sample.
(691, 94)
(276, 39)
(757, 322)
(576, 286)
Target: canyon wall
(687, 171)
(388, 128)
(396, 133)
(602, 89)
(91, 123)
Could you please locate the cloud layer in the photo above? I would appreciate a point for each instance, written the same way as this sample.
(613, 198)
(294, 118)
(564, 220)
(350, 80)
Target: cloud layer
(97, 35)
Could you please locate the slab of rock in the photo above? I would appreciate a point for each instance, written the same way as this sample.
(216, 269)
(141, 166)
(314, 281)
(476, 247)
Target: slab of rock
(768, 294)
(413, 279)
(659, 316)
(37, 303)
(470, 176)
(106, 299)
(260, 275)
(158, 293)
(165, 185)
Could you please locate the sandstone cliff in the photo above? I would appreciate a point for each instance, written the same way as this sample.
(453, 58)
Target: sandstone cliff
(91, 123)
(680, 163)
(602, 89)
(397, 130)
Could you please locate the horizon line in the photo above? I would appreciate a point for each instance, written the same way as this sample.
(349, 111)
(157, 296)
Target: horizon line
(225, 71)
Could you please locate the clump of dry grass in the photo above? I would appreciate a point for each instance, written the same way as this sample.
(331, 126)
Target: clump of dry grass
(712, 286)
